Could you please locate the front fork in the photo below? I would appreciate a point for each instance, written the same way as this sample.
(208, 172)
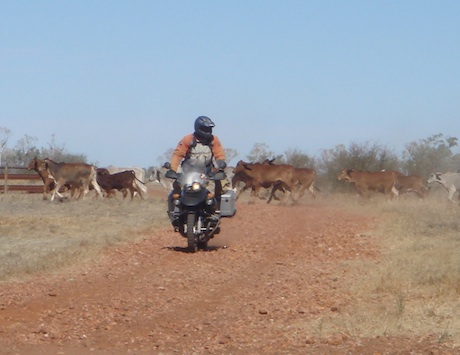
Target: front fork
(204, 226)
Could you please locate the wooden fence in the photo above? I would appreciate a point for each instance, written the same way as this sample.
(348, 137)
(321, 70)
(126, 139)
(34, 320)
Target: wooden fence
(18, 178)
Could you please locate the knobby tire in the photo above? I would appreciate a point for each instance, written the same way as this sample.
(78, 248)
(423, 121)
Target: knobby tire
(191, 238)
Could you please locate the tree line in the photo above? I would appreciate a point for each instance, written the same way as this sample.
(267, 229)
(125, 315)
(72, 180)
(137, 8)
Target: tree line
(25, 150)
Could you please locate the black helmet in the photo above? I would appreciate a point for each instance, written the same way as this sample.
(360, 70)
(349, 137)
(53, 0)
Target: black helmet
(203, 128)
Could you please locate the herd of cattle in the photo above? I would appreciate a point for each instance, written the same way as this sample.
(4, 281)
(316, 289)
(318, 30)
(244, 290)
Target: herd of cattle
(394, 183)
(294, 182)
(78, 178)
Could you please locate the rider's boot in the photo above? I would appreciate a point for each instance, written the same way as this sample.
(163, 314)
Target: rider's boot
(173, 212)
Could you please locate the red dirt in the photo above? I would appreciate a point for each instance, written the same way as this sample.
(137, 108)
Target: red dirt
(271, 270)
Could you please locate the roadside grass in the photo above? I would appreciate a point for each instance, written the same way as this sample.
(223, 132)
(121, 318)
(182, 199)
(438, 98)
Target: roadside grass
(40, 236)
(414, 289)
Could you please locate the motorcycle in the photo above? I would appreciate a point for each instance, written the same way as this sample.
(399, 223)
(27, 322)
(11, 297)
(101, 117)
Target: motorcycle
(195, 214)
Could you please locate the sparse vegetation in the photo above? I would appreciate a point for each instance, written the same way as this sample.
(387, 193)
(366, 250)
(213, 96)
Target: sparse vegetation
(415, 286)
(38, 236)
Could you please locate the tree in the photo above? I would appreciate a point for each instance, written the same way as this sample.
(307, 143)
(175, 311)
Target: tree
(59, 153)
(259, 153)
(230, 154)
(24, 151)
(165, 157)
(298, 159)
(4, 136)
(430, 154)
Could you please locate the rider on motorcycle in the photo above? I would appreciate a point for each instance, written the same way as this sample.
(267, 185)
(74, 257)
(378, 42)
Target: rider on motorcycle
(201, 146)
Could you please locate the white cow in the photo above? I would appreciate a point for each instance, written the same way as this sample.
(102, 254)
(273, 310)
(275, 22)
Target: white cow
(450, 181)
(138, 172)
(158, 175)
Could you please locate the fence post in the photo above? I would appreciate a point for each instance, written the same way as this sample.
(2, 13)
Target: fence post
(5, 173)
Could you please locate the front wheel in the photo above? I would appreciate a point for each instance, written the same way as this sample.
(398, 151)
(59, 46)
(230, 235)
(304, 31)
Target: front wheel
(191, 237)
(203, 245)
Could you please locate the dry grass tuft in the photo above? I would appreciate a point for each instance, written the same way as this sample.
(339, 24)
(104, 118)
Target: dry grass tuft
(37, 235)
(415, 288)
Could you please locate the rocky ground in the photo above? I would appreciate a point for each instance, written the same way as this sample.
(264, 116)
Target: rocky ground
(268, 278)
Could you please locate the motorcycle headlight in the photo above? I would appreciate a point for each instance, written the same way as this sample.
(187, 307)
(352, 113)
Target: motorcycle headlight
(195, 187)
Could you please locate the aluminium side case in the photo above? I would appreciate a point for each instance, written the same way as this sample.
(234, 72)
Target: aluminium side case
(227, 204)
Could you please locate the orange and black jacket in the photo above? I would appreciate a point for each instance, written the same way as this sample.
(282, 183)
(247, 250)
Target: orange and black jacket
(182, 150)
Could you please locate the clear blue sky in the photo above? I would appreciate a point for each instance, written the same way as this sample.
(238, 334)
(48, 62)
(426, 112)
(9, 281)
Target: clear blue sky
(123, 81)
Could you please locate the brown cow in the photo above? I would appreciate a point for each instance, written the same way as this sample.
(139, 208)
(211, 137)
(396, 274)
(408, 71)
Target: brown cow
(248, 184)
(140, 178)
(77, 175)
(366, 181)
(122, 181)
(39, 166)
(412, 183)
(266, 175)
(48, 181)
(304, 179)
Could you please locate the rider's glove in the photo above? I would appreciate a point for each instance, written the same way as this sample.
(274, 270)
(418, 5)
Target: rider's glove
(221, 164)
(171, 174)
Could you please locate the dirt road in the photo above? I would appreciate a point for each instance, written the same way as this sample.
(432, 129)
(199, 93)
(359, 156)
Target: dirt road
(271, 276)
